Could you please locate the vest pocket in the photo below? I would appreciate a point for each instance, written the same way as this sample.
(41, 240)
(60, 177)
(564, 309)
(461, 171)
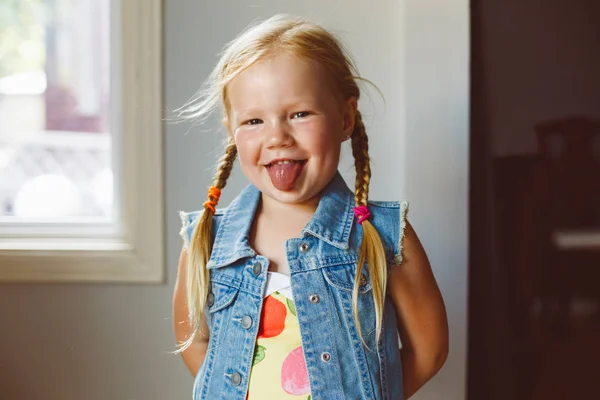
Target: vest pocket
(341, 281)
(342, 277)
(221, 296)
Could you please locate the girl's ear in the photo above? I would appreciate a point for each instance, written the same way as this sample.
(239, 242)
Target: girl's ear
(350, 109)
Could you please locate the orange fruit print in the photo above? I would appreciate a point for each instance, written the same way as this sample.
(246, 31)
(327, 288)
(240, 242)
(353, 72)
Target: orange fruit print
(272, 320)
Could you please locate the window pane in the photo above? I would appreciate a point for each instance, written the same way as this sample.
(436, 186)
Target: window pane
(55, 142)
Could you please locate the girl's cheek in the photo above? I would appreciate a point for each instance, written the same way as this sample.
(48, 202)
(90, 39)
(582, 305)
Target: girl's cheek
(248, 147)
(240, 137)
(312, 128)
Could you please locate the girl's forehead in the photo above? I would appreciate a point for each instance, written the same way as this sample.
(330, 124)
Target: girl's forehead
(285, 62)
(282, 71)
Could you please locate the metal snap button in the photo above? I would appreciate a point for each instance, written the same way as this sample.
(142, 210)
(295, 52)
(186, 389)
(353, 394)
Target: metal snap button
(257, 269)
(210, 299)
(304, 247)
(362, 282)
(236, 379)
(246, 322)
(325, 357)
(313, 298)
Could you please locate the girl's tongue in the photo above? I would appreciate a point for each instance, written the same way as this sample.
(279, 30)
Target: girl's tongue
(283, 175)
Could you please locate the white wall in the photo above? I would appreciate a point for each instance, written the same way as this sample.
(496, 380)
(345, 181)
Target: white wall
(110, 342)
(416, 52)
(436, 165)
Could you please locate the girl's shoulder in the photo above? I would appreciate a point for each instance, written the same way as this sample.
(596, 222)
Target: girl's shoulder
(383, 211)
(190, 219)
(389, 218)
(390, 206)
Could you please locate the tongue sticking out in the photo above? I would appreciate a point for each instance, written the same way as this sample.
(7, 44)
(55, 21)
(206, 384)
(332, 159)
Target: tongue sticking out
(283, 176)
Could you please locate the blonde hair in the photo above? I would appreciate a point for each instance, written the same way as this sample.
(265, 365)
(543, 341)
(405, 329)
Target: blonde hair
(312, 43)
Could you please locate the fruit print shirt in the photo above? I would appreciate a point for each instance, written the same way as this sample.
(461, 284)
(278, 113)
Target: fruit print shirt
(278, 368)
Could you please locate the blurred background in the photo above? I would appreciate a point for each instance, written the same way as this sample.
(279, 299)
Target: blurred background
(535, 200)
(489, 126)
(54, 108)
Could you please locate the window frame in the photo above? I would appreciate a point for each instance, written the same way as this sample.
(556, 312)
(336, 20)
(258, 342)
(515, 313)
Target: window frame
(132, 248)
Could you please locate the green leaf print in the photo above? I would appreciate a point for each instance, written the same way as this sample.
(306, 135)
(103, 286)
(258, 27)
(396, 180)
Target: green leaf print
(259, 354)
(291, 306)
(309, 397)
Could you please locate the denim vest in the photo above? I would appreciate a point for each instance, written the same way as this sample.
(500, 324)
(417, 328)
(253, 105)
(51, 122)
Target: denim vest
(322, 268)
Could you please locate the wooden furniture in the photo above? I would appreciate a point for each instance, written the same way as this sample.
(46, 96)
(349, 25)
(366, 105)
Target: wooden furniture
(567, 187)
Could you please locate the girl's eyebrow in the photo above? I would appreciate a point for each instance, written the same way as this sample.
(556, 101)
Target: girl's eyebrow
(295, 103)
(246, 113)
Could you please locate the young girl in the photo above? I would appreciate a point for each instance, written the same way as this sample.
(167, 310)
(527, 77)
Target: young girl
(300, 288)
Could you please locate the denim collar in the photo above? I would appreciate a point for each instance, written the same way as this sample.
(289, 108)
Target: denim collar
(332, 222)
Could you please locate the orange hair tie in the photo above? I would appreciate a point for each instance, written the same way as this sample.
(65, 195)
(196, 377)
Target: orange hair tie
(214, 193)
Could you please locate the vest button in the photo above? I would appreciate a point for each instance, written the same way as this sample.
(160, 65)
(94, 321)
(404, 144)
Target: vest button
(236, 379)
(257, 269)
(313, 298)
(210, 299)
(304, 247)
(325, 357)
(362, 282)
(246, 322)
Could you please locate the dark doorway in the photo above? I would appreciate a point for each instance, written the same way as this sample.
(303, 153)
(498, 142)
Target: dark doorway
(534, 262)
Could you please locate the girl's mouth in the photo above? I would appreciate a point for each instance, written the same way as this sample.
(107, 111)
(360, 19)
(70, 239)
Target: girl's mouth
(285, 172)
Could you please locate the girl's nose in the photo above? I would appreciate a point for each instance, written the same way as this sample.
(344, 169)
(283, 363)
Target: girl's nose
(279, 135)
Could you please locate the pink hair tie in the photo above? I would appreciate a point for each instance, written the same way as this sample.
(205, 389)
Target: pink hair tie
(362, 213)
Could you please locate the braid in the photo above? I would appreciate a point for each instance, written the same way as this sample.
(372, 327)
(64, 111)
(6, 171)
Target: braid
(360, 151)
(225, 165)
(371, 247)
(198, 280)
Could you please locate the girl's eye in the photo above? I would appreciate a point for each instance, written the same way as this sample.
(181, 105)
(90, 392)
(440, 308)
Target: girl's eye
(254, 121)
(301, 114)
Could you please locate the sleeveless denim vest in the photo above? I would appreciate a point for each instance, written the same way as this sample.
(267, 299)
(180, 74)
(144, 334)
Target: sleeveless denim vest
(322, 268)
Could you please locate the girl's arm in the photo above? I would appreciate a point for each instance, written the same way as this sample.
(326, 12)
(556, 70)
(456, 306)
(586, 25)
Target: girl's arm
(421, 315)
(194, 355)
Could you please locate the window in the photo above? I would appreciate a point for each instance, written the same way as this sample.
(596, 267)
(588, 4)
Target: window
(80, 88)
(55, 128)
